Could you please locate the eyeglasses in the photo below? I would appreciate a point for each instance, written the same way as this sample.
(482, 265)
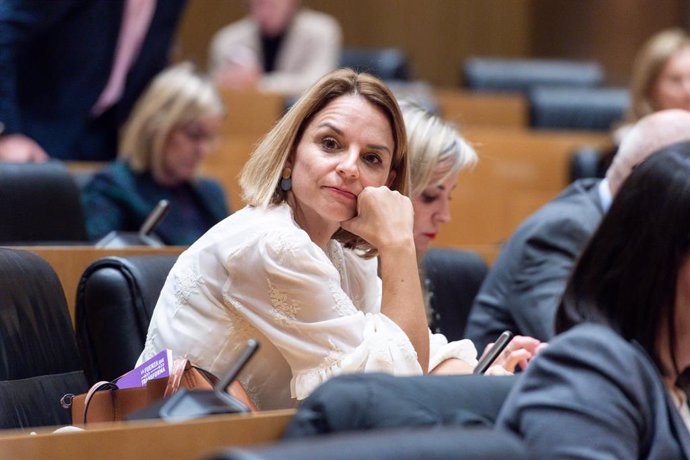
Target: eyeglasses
(197, 134)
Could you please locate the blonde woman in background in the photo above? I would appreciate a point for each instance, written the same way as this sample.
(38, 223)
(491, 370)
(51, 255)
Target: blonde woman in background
(660, 79)
(438, 153)
(172, 128)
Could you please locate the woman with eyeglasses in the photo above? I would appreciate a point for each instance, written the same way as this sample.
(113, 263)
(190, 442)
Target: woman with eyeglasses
(172, 128)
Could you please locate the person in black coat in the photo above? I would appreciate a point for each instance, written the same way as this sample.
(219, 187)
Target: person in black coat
(56, 59)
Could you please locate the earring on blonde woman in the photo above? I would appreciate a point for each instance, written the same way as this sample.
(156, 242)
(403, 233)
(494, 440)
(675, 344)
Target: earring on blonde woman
(286, 180)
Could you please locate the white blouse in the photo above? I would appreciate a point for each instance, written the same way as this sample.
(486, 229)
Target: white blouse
(316, 314)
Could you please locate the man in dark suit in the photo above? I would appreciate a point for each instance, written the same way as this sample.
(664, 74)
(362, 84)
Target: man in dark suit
(524, 286)
(56, 61)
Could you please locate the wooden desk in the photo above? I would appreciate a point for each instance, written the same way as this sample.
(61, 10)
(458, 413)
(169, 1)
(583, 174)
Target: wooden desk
(473, 108)
(69, 262)
(147, 440)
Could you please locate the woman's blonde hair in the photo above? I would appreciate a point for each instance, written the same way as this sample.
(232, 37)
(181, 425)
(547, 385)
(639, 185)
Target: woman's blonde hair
(648, 65)
(261, 174)
(436, 150)
(177, 97)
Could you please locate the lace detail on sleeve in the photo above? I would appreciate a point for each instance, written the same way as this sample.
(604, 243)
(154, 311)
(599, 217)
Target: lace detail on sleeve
(285, 310)
(342, 304)
(187, 283)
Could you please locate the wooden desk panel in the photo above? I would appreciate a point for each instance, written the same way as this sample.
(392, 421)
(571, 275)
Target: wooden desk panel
(225, 165)
(473, 108)
(518, 171)
(251, 113)
(147, 440)
(69, 262)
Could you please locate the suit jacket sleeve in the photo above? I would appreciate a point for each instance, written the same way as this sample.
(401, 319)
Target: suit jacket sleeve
(589, 395)
(20, 22)
(547, 260)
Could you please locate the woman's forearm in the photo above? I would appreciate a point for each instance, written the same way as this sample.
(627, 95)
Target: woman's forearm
(402, 299)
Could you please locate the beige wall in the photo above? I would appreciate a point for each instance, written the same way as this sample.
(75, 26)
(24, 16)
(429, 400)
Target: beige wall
(438, 34)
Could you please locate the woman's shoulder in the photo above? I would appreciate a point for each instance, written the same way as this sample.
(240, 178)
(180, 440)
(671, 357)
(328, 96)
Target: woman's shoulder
(115, 175)
(261, 227)
(600, 348)
(590, 336)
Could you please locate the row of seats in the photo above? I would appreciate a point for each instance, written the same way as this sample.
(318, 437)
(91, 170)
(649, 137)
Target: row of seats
(561, 94)
(43, 358)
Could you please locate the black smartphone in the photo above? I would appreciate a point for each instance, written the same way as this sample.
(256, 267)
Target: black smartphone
(490, 356)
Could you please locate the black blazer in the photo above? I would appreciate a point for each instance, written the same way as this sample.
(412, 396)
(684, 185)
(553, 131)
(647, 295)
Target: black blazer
(592, 394)
(55, 60)
(525, 285)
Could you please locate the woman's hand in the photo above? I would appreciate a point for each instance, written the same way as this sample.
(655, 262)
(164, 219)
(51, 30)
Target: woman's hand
(519, 352)
(384, 218)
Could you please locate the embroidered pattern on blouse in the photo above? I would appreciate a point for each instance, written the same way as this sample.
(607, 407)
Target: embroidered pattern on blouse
(342, 304)
(187, 284)
(335, 255)
(238, 326)
(284, 311)
(333, 358)
(282, 244)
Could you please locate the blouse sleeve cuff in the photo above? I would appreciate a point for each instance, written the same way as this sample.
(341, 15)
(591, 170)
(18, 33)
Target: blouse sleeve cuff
(384, 348)
(441, 350)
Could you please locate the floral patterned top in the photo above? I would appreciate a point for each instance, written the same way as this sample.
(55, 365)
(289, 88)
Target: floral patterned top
(256, 274)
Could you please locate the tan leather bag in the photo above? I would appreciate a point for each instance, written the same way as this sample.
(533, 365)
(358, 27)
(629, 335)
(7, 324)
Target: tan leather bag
(104, 402)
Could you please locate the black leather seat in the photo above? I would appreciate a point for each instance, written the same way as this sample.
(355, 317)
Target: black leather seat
(367, 401)
(593, 109)
(453, 280)
(439, 443)
(520, 75)
(115, 300)
(385, 63)
(587, 161)
(39, 203)
(445, 416)
(39, 356)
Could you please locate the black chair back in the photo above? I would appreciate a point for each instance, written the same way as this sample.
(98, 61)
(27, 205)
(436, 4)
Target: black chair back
(115, 301)
(403, 444)
(520, 75)
(453, 280)
(369, 401)
(384, 63)
(39, 356)
(39, 202)
(592, 109)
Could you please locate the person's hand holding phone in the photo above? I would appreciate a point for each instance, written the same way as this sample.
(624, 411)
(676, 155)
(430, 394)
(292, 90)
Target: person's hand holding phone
(516, 352)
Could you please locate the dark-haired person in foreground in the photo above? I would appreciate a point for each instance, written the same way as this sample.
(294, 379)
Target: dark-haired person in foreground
(525, 284)
(609, 385)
